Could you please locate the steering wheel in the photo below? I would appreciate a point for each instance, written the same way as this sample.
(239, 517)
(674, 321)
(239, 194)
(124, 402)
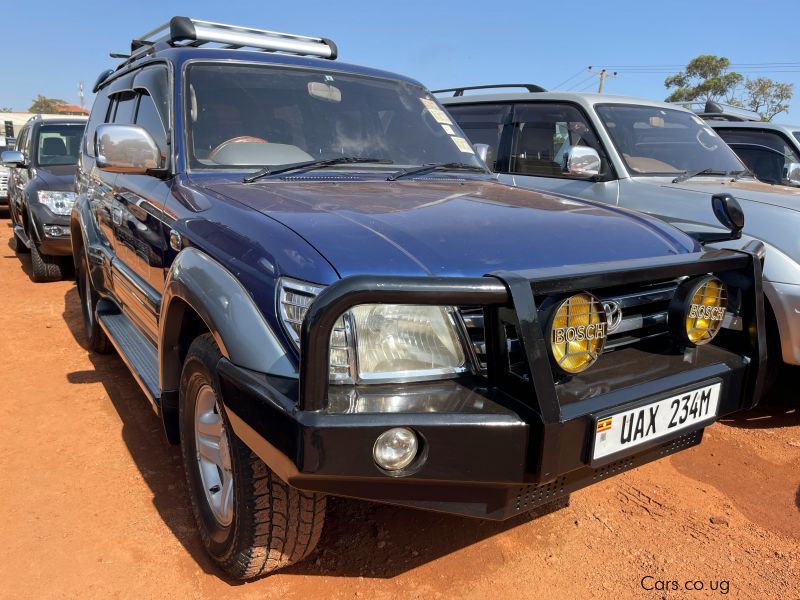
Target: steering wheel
(235, 140)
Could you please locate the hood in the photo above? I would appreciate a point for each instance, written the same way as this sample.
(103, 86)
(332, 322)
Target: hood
(59, 178)
(439, 226)
(749, 190)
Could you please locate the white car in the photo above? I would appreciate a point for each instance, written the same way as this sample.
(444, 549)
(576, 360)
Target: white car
(644, 155)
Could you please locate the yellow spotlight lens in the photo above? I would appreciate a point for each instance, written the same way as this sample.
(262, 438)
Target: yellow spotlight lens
(706, 310)
(578, 332)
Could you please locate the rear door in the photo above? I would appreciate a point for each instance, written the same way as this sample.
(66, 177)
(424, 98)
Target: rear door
(488, 124)
(18, 178)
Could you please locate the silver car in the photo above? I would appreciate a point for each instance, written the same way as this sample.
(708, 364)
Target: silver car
(3, 186)
(644, 155)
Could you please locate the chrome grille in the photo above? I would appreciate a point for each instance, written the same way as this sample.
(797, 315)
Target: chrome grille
(3, 184)
(644, 315)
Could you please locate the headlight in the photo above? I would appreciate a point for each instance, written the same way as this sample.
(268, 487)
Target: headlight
(578, 331)
(59, 203)
(698, 310)
(374, 343)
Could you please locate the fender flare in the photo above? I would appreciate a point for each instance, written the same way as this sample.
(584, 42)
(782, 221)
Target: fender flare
(82, 226)
(239, 328)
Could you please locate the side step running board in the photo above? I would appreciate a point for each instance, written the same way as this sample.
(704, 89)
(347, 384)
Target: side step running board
(22, 236)
(135, 349)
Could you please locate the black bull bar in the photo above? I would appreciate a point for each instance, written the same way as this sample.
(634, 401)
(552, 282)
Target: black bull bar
(509, 298)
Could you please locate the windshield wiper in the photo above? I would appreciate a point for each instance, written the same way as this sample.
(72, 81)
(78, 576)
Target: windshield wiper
(313, 164)
(687, 175)
(449, 166)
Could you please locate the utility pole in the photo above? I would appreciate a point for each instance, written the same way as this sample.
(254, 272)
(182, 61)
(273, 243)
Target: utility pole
(80, 92)
(603, 75)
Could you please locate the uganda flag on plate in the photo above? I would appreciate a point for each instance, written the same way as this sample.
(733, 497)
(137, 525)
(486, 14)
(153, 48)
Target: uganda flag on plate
(604, 424)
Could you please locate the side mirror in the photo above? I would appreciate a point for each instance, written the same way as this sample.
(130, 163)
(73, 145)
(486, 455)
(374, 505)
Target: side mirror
(729, 212)
(482, 150)
(791, 173)
(582, 161)
(12, 158)
(126, 149)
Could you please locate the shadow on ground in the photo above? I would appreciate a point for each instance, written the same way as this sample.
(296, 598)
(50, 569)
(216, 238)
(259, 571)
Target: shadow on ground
(359, 539)
(779, 408)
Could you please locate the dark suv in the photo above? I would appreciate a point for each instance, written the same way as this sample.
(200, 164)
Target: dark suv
(42, 191)
(322, 290)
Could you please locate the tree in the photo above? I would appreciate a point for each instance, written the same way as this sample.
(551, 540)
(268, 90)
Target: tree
(44, 105)
(766, 97)
(6, 109)
(705, 78)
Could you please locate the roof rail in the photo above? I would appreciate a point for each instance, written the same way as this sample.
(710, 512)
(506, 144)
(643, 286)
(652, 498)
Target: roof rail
(184, 31)
(459, 91)
(718, 111)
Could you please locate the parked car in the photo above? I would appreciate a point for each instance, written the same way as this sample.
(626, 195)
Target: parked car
(322, 290)
(42, 191)
(649, 156)
(770, 150)
(3, 185)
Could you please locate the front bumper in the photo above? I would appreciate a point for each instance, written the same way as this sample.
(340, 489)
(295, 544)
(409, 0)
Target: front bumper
(43, 221)
(785, 301)
(493, 445)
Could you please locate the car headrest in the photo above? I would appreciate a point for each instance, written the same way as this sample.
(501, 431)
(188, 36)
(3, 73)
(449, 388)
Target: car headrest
(54, 147)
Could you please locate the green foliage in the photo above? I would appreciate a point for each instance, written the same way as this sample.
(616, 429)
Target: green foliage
(6, 109)
(44, 105)
(705, 78)
(766, 97)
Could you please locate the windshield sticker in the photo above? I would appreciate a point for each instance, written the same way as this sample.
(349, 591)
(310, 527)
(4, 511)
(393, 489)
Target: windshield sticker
(436, 112)
(462, 144)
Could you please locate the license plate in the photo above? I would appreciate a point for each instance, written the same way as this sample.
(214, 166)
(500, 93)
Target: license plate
(633, 427)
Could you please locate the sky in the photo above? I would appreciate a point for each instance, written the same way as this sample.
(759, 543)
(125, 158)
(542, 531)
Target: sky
(50, 46)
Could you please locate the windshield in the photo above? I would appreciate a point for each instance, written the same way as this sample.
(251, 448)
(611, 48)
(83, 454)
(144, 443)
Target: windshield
(250, 116)
(660, 141)
(59, 144)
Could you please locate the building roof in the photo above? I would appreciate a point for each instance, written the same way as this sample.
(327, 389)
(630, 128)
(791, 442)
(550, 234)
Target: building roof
(71, 109)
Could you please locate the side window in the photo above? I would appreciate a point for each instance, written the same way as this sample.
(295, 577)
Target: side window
(98, 116)
(483, 124)
(544, 134)
(124, 108)
(154, 81)
(22, 141)
(149, 117)
(764, 152)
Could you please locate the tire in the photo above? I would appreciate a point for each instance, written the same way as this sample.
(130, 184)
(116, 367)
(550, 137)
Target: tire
(267, 524)
(45, 267)
(96, 338)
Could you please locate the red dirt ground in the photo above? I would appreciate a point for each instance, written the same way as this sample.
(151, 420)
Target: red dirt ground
(95, 504)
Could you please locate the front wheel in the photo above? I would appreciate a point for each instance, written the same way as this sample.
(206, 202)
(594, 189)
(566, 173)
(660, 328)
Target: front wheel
(45, 267)
(251, 522)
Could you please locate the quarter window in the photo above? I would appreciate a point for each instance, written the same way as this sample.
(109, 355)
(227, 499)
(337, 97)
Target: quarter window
(544, 134)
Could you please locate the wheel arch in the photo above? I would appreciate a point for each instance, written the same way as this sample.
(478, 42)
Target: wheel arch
(202, 295)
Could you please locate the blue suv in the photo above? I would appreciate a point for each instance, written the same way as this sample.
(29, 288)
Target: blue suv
(322, 290)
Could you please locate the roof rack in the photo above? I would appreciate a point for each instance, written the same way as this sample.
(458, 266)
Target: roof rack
(459, 91)
(717, 111)
(184, 31)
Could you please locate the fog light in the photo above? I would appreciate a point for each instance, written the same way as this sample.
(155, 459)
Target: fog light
(698, 309)
(55, 231)
(395, 449)
(578, 332)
